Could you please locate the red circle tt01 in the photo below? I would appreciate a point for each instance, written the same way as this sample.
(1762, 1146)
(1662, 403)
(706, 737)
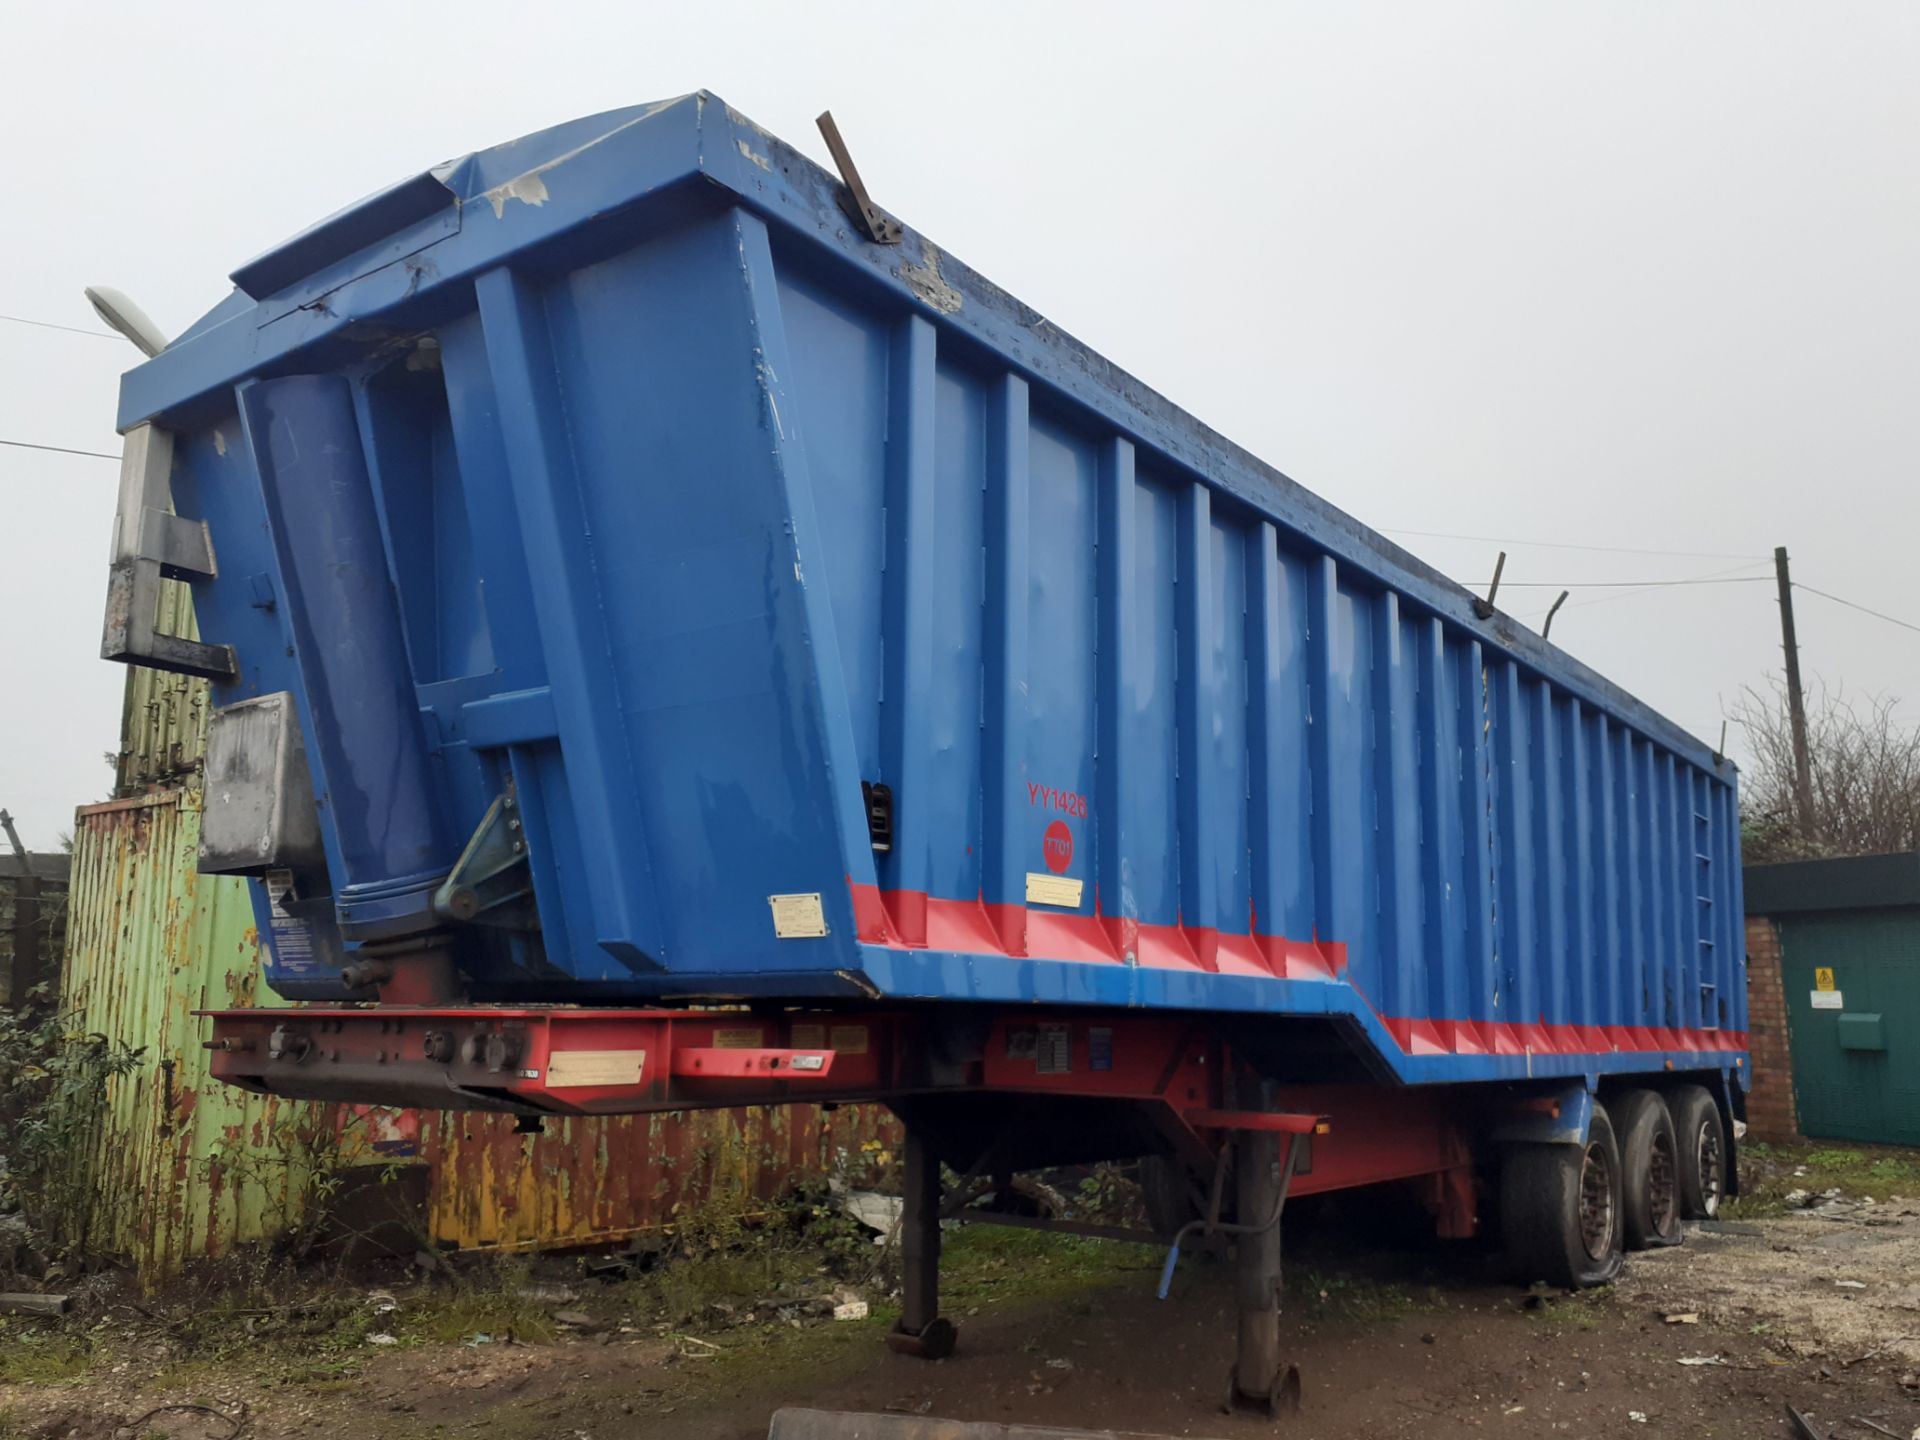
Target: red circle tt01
(1059, 846)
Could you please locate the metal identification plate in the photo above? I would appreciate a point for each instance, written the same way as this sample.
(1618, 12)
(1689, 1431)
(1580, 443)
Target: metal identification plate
(798, 917)
(1054, 1053)
(1054, 890)
(1827, 999)
(594, 1067)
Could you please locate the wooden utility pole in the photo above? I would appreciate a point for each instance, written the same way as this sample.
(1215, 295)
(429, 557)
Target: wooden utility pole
(1796, 700)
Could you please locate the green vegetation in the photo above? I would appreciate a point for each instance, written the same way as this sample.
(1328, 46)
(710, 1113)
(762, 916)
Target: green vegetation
(42, 1355)
(1357, 1299)
(984, 1264)
(1577, 1309)
(1769, 1173)
(53, 1098)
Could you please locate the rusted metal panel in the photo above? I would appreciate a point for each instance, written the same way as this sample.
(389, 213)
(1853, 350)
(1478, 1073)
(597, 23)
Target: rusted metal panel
(188, 1167)
(589, 1181)
(185, 1167)
(163, 730)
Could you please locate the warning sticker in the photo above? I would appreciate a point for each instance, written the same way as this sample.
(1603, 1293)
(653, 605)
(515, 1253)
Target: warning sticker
(798, 917)
(739, 1037)
(292, 936)
(1053, 890)
(1823, 977)
(1054, 1055)
(575, 1068)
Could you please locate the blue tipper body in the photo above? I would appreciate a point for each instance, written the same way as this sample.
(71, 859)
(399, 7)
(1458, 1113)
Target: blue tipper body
(836, 626)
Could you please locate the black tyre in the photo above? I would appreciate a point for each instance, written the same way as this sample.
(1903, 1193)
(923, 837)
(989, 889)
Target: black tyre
(1166, 1193)
(1560, 1209)
(1700, 1140)
(1649, 1170)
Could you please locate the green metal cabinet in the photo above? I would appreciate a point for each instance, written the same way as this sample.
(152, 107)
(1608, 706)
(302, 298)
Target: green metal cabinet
(1855, 1032)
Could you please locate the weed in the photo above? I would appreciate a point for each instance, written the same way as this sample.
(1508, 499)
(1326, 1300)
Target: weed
(300, 1169)
(43, 1355)
(53, 1098)
(490, 1301)
(1768, 1173)
(1365, 1301)
(1109, 1195)
(983, 1263)
(1832, 1159)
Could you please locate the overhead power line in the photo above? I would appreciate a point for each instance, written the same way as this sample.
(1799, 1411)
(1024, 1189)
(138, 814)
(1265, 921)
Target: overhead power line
(59, 449)
(1620, 584)
(1851, 605)
(1617, 595)
(70, 329)
(1570, 545)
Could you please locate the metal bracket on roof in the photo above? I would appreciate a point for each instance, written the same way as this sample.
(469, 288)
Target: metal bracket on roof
(151, 544)
(1484, 608)
(875, 223)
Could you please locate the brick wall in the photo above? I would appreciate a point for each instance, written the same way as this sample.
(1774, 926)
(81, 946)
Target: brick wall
(1770, 1113)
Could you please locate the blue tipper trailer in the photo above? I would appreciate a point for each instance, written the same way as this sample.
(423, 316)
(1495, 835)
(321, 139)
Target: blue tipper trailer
(682, 639)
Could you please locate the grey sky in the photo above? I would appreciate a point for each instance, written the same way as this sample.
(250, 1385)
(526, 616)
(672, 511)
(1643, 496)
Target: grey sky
(1636, 275)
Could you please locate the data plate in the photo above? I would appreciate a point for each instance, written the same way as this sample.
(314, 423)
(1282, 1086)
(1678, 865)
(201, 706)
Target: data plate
(578, 1068)
(798, 917)
(1062, 890)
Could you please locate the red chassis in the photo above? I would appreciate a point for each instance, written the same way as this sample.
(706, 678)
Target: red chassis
(1177, 1072)
(986, 1092)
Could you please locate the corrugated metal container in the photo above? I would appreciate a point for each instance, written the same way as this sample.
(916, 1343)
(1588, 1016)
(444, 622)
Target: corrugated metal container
(163, 727)
(588, 1181)
(835, 626)
(187, 1168)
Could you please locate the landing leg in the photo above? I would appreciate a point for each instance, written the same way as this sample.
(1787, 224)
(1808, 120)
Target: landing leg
(1259, 1380)
(921, 1329)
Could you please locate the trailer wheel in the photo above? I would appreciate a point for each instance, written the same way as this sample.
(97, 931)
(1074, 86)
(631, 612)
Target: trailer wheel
(1166, 1194)
(1560, 1209)
(1701, 1140)
(1649, 1170)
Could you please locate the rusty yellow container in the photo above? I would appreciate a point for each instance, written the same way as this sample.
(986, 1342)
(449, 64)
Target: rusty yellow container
(600, 1180)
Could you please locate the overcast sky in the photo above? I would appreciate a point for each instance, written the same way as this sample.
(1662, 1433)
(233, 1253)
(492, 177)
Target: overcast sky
(1642, 276)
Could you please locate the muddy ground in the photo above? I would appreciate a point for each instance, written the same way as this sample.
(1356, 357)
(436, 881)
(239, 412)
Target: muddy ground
(1814, 1307)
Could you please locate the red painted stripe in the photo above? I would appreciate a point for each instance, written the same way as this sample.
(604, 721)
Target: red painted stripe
(973, 927)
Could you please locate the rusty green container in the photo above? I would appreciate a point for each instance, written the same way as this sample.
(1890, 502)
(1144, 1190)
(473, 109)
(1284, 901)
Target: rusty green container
(187, 1169)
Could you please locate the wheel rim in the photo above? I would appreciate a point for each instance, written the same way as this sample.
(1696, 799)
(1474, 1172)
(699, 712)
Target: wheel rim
(1662, 1184)
(1596, 1203)
(1707, 1158)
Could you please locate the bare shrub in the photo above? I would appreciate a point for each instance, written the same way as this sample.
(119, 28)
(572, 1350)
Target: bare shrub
(1866, 777)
